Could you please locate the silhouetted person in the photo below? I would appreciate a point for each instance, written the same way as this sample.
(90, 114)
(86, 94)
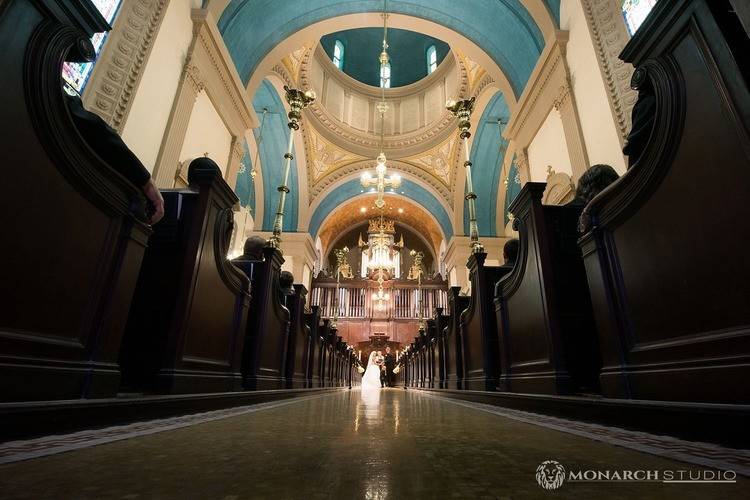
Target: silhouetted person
(252, 253)
(592, 182)
(643, 118)
(286, 286)
(510, 254)
(253, 249)
(108, 145)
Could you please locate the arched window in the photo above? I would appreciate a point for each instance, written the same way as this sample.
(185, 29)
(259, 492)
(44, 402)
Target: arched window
(635, 12)
(338, 54)
(431, 59)
(76, 75)
(385, 75)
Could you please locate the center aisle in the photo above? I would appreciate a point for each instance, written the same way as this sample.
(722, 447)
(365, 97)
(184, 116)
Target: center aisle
(402, 444)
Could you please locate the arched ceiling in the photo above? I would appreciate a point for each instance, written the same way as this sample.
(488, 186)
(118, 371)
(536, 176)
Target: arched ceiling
(505, 34)
(407, 51)
(401, 210)
(510, 32)
(342, 193)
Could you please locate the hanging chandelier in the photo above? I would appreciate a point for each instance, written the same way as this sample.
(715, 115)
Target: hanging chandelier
(380, 181)
(381, 251)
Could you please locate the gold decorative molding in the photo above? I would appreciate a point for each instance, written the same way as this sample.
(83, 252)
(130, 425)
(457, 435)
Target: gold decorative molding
(117, 74)
(610, 35)
(323, 157)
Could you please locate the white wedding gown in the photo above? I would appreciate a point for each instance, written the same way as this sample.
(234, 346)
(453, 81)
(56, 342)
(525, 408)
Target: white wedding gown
(371, 378)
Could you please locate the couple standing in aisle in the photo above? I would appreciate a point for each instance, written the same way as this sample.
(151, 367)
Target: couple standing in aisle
(379, 371)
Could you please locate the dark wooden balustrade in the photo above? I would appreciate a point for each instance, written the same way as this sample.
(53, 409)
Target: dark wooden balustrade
(267, 332)
(479, 328)
(548, 342)
(666, 254)
(185, 332)
(66, 290)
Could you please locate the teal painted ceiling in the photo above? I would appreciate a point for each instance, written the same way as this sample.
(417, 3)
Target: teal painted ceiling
(503, 29)
(407, 51)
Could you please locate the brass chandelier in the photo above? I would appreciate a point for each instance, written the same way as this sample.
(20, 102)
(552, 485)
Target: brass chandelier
(380, 181)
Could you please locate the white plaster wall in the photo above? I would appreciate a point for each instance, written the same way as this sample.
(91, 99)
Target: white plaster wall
(152, 104)
(206, 133)
(549, 148)
(307, 277)
(597, 123)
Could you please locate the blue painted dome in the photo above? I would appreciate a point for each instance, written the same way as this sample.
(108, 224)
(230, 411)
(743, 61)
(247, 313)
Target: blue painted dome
(407, 51)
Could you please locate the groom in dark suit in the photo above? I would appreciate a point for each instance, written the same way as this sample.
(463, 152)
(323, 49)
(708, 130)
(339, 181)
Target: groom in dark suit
(390, 363)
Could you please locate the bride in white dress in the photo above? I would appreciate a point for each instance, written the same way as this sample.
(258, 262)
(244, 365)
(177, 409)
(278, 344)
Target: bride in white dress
(371, 378)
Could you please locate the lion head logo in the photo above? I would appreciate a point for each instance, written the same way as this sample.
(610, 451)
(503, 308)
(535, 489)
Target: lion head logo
(550, 474)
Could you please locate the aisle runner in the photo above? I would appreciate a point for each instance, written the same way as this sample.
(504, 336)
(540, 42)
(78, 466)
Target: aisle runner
(15, 451)
(694, 452)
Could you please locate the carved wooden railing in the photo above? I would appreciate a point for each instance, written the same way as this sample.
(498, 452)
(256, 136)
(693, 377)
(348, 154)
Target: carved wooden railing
(355, 298)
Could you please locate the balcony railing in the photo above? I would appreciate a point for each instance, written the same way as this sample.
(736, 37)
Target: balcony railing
(355, 298)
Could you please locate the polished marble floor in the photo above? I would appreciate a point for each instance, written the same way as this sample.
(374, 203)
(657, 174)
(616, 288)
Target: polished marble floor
(390, 444)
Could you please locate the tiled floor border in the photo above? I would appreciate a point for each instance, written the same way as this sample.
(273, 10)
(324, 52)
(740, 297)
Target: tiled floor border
(697, 453)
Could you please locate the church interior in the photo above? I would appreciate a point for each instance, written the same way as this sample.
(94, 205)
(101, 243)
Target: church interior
(375, 249)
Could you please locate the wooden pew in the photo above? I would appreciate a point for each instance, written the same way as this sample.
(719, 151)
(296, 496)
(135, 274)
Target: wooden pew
(413, 366)
(267, 332)
(331, 358)
(431, 352)
(185, 331)
(548, 342)
(453, 345)
(66, 290)
(298, 350)
(426, 358)
(312, 320)
(666, 250)
(419, 378)
(439, 322)
(479, 328)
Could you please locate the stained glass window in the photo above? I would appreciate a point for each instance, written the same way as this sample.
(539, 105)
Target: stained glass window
(635, 12)
(75, 75)
(338, 54)
(431, 59)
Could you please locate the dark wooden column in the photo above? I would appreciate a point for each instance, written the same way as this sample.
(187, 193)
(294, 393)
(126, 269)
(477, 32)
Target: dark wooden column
(548, 342)
(479, 328)
(264, 357)
(66, 290)
(666, 253)
(186, 327)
